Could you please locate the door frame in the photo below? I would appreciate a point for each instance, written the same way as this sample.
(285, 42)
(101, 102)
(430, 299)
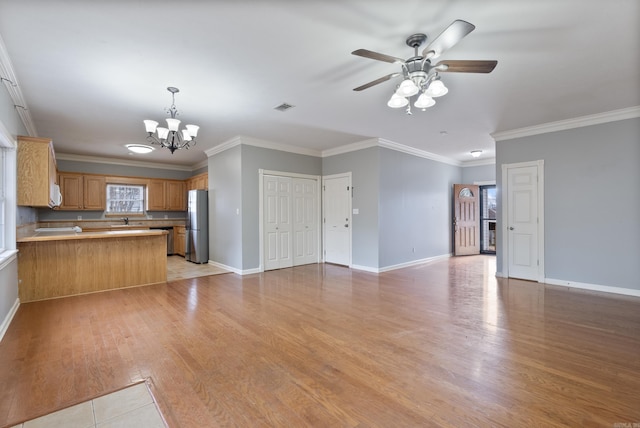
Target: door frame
(261, 174)
(350, 203)
(505, 215)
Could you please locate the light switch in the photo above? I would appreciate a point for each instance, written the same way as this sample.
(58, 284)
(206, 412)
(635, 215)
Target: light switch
(356, 211)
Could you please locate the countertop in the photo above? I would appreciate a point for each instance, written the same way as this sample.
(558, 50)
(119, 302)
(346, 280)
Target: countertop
(68, 235)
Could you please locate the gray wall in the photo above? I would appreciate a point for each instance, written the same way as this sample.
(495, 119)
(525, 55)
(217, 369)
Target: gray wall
(225, 197)
(9, 274)
(592, 201)
(254, 159)
(404, 205)
(414, 207)
(364, 166)
(481, 173)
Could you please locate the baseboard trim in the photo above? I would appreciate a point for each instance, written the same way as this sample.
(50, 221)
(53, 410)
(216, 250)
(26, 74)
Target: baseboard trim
(593, 287)
(401, 265)
(7, 320)
(234, 270)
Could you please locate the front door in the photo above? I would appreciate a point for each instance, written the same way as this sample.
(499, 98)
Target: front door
(337, 219)
(466, 221)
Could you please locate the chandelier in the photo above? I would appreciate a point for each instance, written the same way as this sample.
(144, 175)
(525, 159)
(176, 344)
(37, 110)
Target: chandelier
(428, 86)
(171, 137)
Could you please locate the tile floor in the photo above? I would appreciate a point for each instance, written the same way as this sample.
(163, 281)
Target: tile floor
(130, 407)
(179, 268)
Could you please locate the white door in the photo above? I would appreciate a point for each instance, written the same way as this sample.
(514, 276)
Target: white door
(305, 221)
(277, 222)
(522, 222)
(337, 219)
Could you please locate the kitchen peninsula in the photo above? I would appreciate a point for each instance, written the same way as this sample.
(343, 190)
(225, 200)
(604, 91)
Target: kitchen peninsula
(65, 263)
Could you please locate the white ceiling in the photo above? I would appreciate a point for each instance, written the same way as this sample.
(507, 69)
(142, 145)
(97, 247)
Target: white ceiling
(91, 71)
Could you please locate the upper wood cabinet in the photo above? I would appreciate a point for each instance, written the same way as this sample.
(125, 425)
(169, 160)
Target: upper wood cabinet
(166, 195)
(198, 182)
(82, 192)
(36, 172)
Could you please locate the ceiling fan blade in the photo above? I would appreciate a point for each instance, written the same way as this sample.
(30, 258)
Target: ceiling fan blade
(462, 66)
(375, 82)
(448, 38)
(378, 56)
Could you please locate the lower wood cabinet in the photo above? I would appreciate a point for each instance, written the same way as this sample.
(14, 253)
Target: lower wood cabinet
(179, 240)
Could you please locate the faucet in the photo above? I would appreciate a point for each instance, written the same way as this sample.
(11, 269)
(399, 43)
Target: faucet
(126, 220)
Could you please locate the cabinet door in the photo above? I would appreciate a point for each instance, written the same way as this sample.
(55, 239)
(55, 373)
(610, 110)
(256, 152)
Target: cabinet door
(176, 195)
(71, 189)
(36, 173)
(94, 193)
(179, 240)
(156, 195)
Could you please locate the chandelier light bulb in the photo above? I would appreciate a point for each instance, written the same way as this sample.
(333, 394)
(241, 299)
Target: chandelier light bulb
(396, 101)
(162, 133)
(437, 89)
(424, 101)
(407, 88)
(150, 126)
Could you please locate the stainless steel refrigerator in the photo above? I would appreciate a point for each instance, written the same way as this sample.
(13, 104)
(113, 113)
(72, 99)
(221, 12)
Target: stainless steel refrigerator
(197, 230)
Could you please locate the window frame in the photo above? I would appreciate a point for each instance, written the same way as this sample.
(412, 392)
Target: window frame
(8, 203)
(124, 183)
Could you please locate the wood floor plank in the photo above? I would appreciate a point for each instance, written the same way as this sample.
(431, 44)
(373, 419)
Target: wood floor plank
(442, 344)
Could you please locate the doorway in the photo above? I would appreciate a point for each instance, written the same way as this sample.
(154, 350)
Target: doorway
(289, 219)
(336, 209)
(523, 220)
(488, 209)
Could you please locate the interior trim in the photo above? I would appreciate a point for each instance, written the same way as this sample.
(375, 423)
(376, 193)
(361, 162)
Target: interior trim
(562, 125)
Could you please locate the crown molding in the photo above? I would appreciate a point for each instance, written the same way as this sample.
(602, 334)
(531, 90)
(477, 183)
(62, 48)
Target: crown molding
(354, 147)
(229, 144)
(11, 83)
(255, 142)
(562, 125)
(124, 162)
(417, 152)
(481, 162)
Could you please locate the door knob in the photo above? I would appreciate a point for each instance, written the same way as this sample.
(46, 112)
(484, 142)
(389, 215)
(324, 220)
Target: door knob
(346, 225)
(511, 228)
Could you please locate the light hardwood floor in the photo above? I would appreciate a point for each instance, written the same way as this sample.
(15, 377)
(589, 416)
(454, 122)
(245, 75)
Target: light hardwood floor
(442, 344)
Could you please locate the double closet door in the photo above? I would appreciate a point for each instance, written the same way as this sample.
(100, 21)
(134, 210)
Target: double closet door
(290, 221)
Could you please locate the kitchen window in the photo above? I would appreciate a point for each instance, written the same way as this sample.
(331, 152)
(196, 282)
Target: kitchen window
(125, 199)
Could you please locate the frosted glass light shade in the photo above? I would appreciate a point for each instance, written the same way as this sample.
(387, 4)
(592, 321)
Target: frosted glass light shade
(424, 101)
(173, 124)
(193, 130)
(162, 133)
(185, 135)
(407, 88)
(396, 101)
(437, 89)
(139, 148)
(150, 125)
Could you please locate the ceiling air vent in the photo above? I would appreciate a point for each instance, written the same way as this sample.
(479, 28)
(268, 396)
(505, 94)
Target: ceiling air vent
(284, 107)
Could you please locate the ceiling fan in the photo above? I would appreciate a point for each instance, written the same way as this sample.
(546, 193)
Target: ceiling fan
(419, 74)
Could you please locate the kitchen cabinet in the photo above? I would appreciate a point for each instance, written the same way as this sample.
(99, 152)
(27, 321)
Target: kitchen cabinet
(179, 240)
(36, 173)
(82, 191)
(166, 195)
(198, 182)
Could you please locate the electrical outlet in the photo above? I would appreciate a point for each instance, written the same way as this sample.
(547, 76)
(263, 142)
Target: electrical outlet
(166, 216)
(79, 217)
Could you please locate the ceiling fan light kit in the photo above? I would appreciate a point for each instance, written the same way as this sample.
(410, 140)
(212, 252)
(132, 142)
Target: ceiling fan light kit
(171, 137)
(420, 76)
